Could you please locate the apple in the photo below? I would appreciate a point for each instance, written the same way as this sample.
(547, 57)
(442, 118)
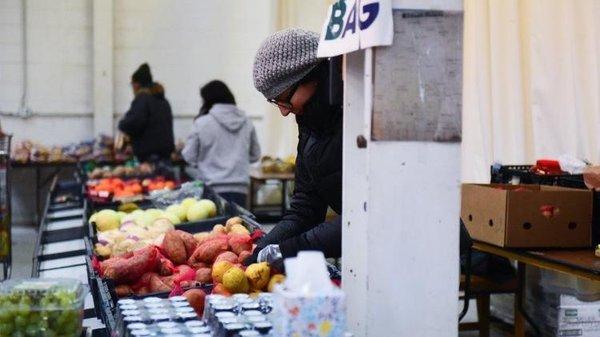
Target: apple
(197, 212)
(210, 205)
(179, 211)
(187, 202)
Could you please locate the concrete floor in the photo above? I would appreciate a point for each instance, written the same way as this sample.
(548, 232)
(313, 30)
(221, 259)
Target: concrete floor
(23, 241)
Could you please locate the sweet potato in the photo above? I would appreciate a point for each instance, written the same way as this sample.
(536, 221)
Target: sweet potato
(196, 299)
(243, 256)
(203, 275)
(157, 284)
(129, 270)
(208, 251)
(239, 243)
(184, 273)
(123, 290)
(165, 267)
(227, 256)
(189, 242)
(174, 247)
(220, 289)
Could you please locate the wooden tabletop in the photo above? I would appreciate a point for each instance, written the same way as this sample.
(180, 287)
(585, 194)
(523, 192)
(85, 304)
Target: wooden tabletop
(579, 262)
(258, 174)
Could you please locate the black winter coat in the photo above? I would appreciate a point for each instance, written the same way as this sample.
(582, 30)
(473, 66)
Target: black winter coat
(149, 124)
(318, 185)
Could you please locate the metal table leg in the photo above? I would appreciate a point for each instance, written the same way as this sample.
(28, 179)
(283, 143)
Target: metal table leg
(521, 315)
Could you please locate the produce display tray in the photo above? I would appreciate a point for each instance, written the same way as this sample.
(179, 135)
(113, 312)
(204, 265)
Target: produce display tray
(224, 211)
(60, 249)
(65, 214)
(103, 290)
(76, 272)
(62, 263)
(64, 224)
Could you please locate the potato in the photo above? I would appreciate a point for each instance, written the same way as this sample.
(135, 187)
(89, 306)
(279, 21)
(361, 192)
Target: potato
(196, 299)
(239, 242)
(204, 275)
(236, 220)
(244, 255)
(189, 242)
(208, 251)
(227, 256)
(174, 248)
(220, 289)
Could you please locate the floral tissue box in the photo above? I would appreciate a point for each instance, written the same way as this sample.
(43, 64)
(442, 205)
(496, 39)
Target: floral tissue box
(309, 316)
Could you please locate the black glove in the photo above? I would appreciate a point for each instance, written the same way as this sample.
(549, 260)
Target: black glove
(252, 258)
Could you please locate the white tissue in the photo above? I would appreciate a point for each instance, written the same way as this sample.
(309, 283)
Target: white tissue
(307, 274)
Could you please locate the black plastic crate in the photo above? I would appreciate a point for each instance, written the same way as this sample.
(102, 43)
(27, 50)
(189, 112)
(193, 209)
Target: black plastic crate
(505, 174)
(224, 211)
(107, 286)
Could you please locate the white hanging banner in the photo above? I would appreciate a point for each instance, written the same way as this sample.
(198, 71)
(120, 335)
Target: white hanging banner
(356, 24)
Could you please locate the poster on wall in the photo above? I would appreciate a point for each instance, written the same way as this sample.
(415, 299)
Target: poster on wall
(417, 93)
(356, 24)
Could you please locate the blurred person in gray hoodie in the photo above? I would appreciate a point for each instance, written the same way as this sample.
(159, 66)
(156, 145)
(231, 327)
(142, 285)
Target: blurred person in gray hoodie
(222, 144)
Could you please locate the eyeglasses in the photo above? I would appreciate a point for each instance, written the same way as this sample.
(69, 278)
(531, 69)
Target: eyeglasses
(287, 104)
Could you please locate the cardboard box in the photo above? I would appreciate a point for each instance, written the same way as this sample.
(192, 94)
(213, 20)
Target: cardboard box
(527, 216)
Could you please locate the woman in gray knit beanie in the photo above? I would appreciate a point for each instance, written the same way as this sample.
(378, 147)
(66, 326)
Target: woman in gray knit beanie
(282, 61)
(289, 74)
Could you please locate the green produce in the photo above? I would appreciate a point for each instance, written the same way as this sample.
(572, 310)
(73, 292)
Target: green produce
(38, 307)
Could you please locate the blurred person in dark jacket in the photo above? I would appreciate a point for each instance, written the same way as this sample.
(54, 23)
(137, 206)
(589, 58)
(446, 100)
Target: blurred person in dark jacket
(222, 144)
(149, 121)
(289, 74)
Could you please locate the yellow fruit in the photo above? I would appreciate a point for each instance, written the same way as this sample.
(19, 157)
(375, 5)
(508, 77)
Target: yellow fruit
(275, 279)
(239, 229)
(219, 269)
(235, 281)
(173, 218)
(107, 219)
(187, 202)
(128, 207)
(197, 211)
(202, 236)
(178, 210)
(210, 206)
(258, 275)
(219, 229)
(233, 221)
(102, 250)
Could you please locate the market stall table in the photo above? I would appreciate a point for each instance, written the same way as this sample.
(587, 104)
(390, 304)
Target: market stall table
(577, 262)
(56, 168)
(257, 177)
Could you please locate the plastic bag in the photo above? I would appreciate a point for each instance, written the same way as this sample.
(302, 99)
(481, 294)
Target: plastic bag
(164, 198)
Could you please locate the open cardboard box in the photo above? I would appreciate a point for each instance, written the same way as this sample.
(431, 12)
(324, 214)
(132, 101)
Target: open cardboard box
(527, 216)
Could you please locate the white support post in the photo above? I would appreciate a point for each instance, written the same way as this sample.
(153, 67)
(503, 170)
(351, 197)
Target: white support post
(400, 221)
(103, 18)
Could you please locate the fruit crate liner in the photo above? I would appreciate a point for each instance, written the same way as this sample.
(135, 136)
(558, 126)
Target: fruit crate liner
(76, 272)
(63, 247)
(64, 224)
(62, 263)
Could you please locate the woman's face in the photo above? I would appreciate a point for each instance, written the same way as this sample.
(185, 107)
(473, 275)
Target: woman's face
(293, 99)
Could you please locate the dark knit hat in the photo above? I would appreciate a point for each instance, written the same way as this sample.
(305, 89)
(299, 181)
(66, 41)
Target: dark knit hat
(142, 76)
(283, 59)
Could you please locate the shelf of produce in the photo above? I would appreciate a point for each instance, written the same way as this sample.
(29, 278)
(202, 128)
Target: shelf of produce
(104, 290)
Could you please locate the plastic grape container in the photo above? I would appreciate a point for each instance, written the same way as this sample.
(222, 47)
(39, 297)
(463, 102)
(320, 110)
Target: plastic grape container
(41, 308)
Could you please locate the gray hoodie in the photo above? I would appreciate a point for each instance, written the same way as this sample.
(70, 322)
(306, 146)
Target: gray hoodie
(221, 146)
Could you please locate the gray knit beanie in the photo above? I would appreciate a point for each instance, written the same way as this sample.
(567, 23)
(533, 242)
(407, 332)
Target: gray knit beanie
(283, 59)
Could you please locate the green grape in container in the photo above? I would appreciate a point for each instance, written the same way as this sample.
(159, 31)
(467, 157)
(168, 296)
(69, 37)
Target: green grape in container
(41, 308)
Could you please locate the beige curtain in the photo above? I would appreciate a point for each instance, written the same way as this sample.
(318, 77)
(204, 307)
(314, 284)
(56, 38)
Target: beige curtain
(282, 133)
(531, 82)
